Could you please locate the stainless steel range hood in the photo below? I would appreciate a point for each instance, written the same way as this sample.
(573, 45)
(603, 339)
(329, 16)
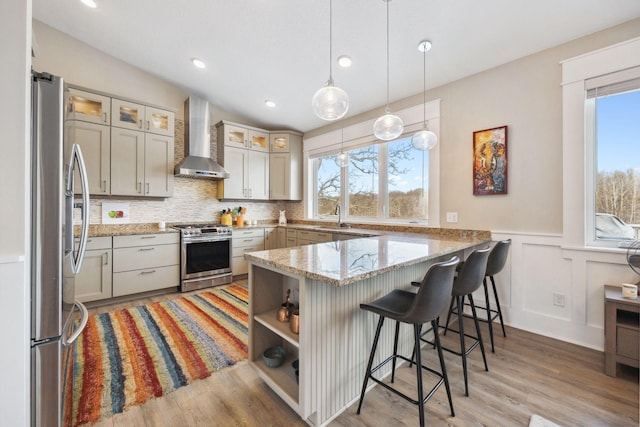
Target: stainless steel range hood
(197, 161)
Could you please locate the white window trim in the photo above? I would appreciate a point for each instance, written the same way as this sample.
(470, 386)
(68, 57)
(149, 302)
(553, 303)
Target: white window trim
(361, 134)
(574, 150)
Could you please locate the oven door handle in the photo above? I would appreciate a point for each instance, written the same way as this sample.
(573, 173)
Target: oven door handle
(192, 239)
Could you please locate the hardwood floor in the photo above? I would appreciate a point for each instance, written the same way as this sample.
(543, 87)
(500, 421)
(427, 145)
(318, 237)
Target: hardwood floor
(528, 374)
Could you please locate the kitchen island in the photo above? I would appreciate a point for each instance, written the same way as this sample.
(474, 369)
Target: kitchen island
(329, 281)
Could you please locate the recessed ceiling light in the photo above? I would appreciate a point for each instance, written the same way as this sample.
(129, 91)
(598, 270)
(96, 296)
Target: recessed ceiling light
(344, 61)
(90, 3)
(198, 62)
(269, 103)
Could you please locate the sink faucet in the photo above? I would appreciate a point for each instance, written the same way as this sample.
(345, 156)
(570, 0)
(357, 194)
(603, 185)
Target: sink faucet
(339, 213)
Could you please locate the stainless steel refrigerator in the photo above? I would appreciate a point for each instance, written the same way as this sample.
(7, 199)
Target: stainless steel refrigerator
(56, 318)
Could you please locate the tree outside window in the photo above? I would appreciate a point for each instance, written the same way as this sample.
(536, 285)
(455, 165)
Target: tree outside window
(381, 181)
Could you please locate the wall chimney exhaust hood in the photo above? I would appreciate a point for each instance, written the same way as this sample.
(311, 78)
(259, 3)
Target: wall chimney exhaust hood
(197, 162)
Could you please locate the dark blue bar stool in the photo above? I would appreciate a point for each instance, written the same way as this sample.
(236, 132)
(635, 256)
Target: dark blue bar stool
(416, 309)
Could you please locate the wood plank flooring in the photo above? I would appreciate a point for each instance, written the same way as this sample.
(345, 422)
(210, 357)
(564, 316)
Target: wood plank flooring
(528, 374)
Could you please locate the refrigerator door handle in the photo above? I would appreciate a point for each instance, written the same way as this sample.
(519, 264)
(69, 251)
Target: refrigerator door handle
(83, 322)
(76, 155)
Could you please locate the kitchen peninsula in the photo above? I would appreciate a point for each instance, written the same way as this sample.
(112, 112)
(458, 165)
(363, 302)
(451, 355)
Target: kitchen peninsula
(329, 281)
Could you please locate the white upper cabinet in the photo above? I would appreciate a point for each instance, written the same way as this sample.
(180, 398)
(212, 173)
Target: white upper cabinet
(134, 116)
(244, 153)
(87, 106)
(245, 137)
(95, 142)
(279, 142)
(128, 146)
(285, 166)
(161, 122)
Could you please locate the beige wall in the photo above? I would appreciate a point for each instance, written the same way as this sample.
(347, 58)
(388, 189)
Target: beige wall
(526, 96)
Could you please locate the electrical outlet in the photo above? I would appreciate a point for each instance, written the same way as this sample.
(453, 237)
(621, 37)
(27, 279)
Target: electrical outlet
(452, 216)
(558, 299)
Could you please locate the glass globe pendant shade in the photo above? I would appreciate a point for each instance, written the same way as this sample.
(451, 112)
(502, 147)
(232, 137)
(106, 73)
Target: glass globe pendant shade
(424, 140)
(330, 102)
(388, 127)
(341, 160)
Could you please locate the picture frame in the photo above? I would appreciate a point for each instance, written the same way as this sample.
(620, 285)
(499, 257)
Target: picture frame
(490, 161)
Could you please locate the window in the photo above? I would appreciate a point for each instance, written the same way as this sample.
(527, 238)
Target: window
(613, 158)
(387, 181)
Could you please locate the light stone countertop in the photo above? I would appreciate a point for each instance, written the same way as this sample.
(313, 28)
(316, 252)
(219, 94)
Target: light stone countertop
(105, 230)
(344, 262)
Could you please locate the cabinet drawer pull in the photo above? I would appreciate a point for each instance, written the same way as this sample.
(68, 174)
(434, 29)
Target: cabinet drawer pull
(147, 124)
(140, 124)
(139, 187)
(147, 237)
(105, 117)
(105, 258)
(148, 272)
(145, 249)
(147, 188)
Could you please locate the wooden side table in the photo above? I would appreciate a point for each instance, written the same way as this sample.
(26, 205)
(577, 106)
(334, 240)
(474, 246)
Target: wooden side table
(621, 330)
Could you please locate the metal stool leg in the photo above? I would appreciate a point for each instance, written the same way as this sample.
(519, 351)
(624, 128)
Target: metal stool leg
(489, 315)
(434, 324)
(395, 351)
(463, 351)
(416, 334)
(373, 352)
(446, 325)
(495, 294)
(475, 319)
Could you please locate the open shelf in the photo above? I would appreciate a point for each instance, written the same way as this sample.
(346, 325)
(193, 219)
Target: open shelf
(282, 380)
(269, 320)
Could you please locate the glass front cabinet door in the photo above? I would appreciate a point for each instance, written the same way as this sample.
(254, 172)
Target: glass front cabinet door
(87, 106)
(129, 115)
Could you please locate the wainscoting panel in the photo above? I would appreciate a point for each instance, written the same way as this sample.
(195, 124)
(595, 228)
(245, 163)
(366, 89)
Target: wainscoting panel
(538, 267)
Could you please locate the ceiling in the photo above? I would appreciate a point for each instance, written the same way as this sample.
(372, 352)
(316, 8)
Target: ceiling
(279, 49)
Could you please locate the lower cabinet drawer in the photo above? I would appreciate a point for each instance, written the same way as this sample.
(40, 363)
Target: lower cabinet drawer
(240, 251)
(125, 259)
(247, 241)
(132, 282)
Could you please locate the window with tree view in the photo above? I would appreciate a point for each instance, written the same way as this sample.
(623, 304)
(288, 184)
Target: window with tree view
(614, 114)
(387, 181)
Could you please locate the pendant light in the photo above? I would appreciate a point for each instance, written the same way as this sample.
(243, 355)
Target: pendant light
(342, 157)
(330, 102)
(389, 126)
(424, 139)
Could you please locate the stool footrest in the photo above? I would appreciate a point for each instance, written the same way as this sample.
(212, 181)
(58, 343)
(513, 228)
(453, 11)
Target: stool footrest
(398, 392)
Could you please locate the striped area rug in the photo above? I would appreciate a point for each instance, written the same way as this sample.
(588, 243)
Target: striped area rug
(126, 357)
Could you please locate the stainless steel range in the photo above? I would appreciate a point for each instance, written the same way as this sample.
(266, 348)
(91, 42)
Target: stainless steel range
(205, 255)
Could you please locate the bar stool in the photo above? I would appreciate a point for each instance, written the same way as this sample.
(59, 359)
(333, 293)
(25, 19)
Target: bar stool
(414, 308)
(467, 281)
(495, 264)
